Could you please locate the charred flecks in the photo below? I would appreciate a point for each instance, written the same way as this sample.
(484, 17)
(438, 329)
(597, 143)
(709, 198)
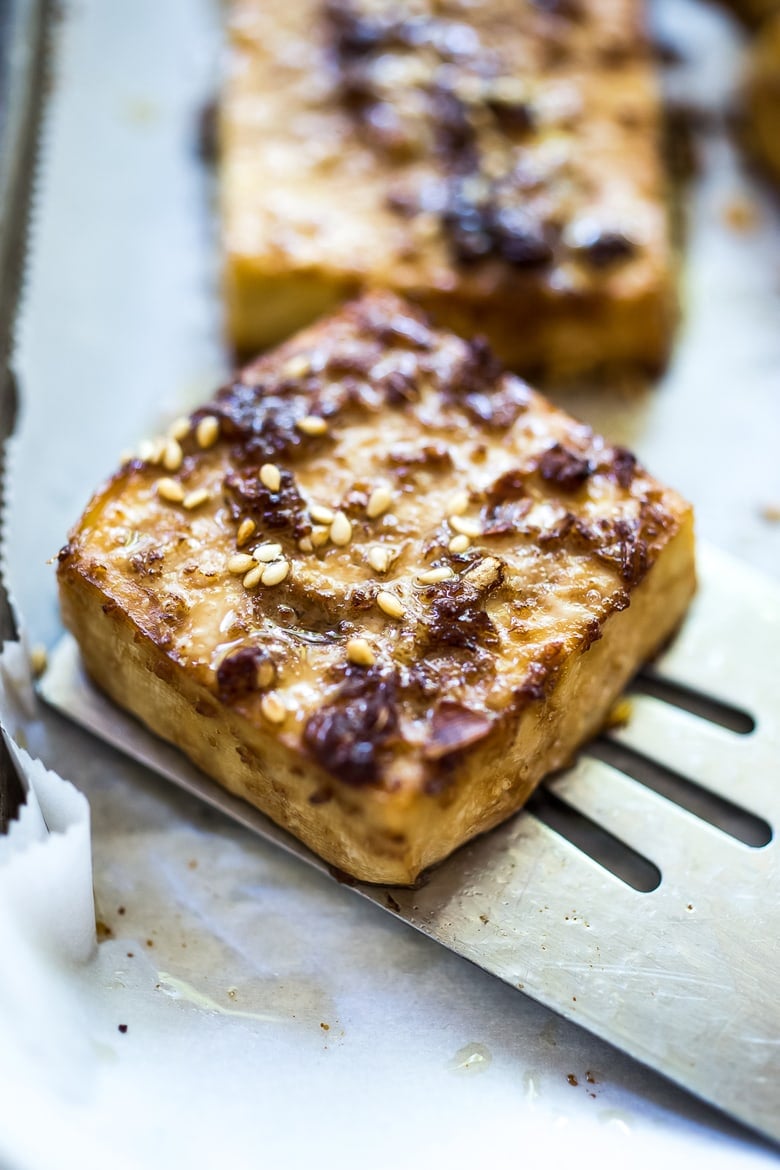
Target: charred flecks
(147, 562)
(564, 468)
(400, 330)
(348, 736)
(282, 510)
(628, 551)
(456, 616)
(244, 672)
(542, 674)
(605, 248)
(503, 519)
(406, 457)
(480, 226)
(260, 420)
(623, 467)
(454, 727)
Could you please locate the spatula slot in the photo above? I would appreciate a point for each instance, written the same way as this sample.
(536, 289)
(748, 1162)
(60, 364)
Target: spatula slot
(723, 814)
(610, 853)
(715, 711)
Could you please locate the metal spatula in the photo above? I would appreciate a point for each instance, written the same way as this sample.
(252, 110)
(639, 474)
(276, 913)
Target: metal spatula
(645, 906)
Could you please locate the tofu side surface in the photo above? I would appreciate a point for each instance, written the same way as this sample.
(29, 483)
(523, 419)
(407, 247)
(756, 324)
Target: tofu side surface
(231, 587)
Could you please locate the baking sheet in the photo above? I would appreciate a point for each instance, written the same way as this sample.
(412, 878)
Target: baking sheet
(224, 958)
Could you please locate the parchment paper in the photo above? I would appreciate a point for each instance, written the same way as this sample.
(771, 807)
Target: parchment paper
(270, 1018)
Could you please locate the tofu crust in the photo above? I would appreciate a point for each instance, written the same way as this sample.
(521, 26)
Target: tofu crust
(499, 164)
(446, 583)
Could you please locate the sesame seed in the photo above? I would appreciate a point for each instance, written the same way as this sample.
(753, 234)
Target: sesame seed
(196, 498)
(253, 577)
(170, 490)
(458, 504)
(245, 529)
(172, 455)
(433, 576)
(240, 563)
(360, 653)
(341, 530)
(379, 558)
(465, 527)
(38, 660)
(312, 424)
(207, 431)
(390, 604)
(267, 552)
(320, 514)
(266, 673)
(271, 477)
(459, 543)
(179, 429)
(379, 501)
(305, 544)
(151, 450)
(273, 709)
(320, 536)
(296, 367)
(276, 573)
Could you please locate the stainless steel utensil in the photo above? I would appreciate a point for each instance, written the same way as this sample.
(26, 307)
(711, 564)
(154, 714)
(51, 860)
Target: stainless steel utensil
(639, 894)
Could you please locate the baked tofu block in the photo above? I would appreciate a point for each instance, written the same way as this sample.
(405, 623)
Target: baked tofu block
(378, 587)
(497, 163)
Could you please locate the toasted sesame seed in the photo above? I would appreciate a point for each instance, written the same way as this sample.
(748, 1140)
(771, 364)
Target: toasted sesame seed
(172, 456)
(253, 577)
(267, 552)
(359, 652)
(378, 502)
(296, 367)
(379, 558)
(305, 544)
(275, 573)
(433, 576)
(240, 563)
(266, 673)
(320, 514)
(273, 709)
(312, 424)
(458, 504)
(207, 431)
(465, 527)
(390, 604)
(271, 477)
(341, 530)
(459, 543)
(245, 529)
(320, 535)
(39, 660)
(151, 450)
(170, 490)
(196, 498)
(179, 428)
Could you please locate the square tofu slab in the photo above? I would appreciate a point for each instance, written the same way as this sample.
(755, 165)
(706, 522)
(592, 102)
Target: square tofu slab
(378, 587)
(498, 163)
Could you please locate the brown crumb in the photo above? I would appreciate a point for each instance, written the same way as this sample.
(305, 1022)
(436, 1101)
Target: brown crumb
(325, 1027)
(741, 214)
(620, 714)
(122, 1028)
(120, 910)
(149, 943)
(103, 930)
(192, 863)
(39, 660)
(572, 1080)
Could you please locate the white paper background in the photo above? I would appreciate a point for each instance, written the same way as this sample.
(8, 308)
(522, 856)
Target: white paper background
(229, 957)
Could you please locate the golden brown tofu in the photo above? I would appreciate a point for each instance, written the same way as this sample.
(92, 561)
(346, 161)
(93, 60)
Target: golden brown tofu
(497, 163)
(762, 97)
(378, 587)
